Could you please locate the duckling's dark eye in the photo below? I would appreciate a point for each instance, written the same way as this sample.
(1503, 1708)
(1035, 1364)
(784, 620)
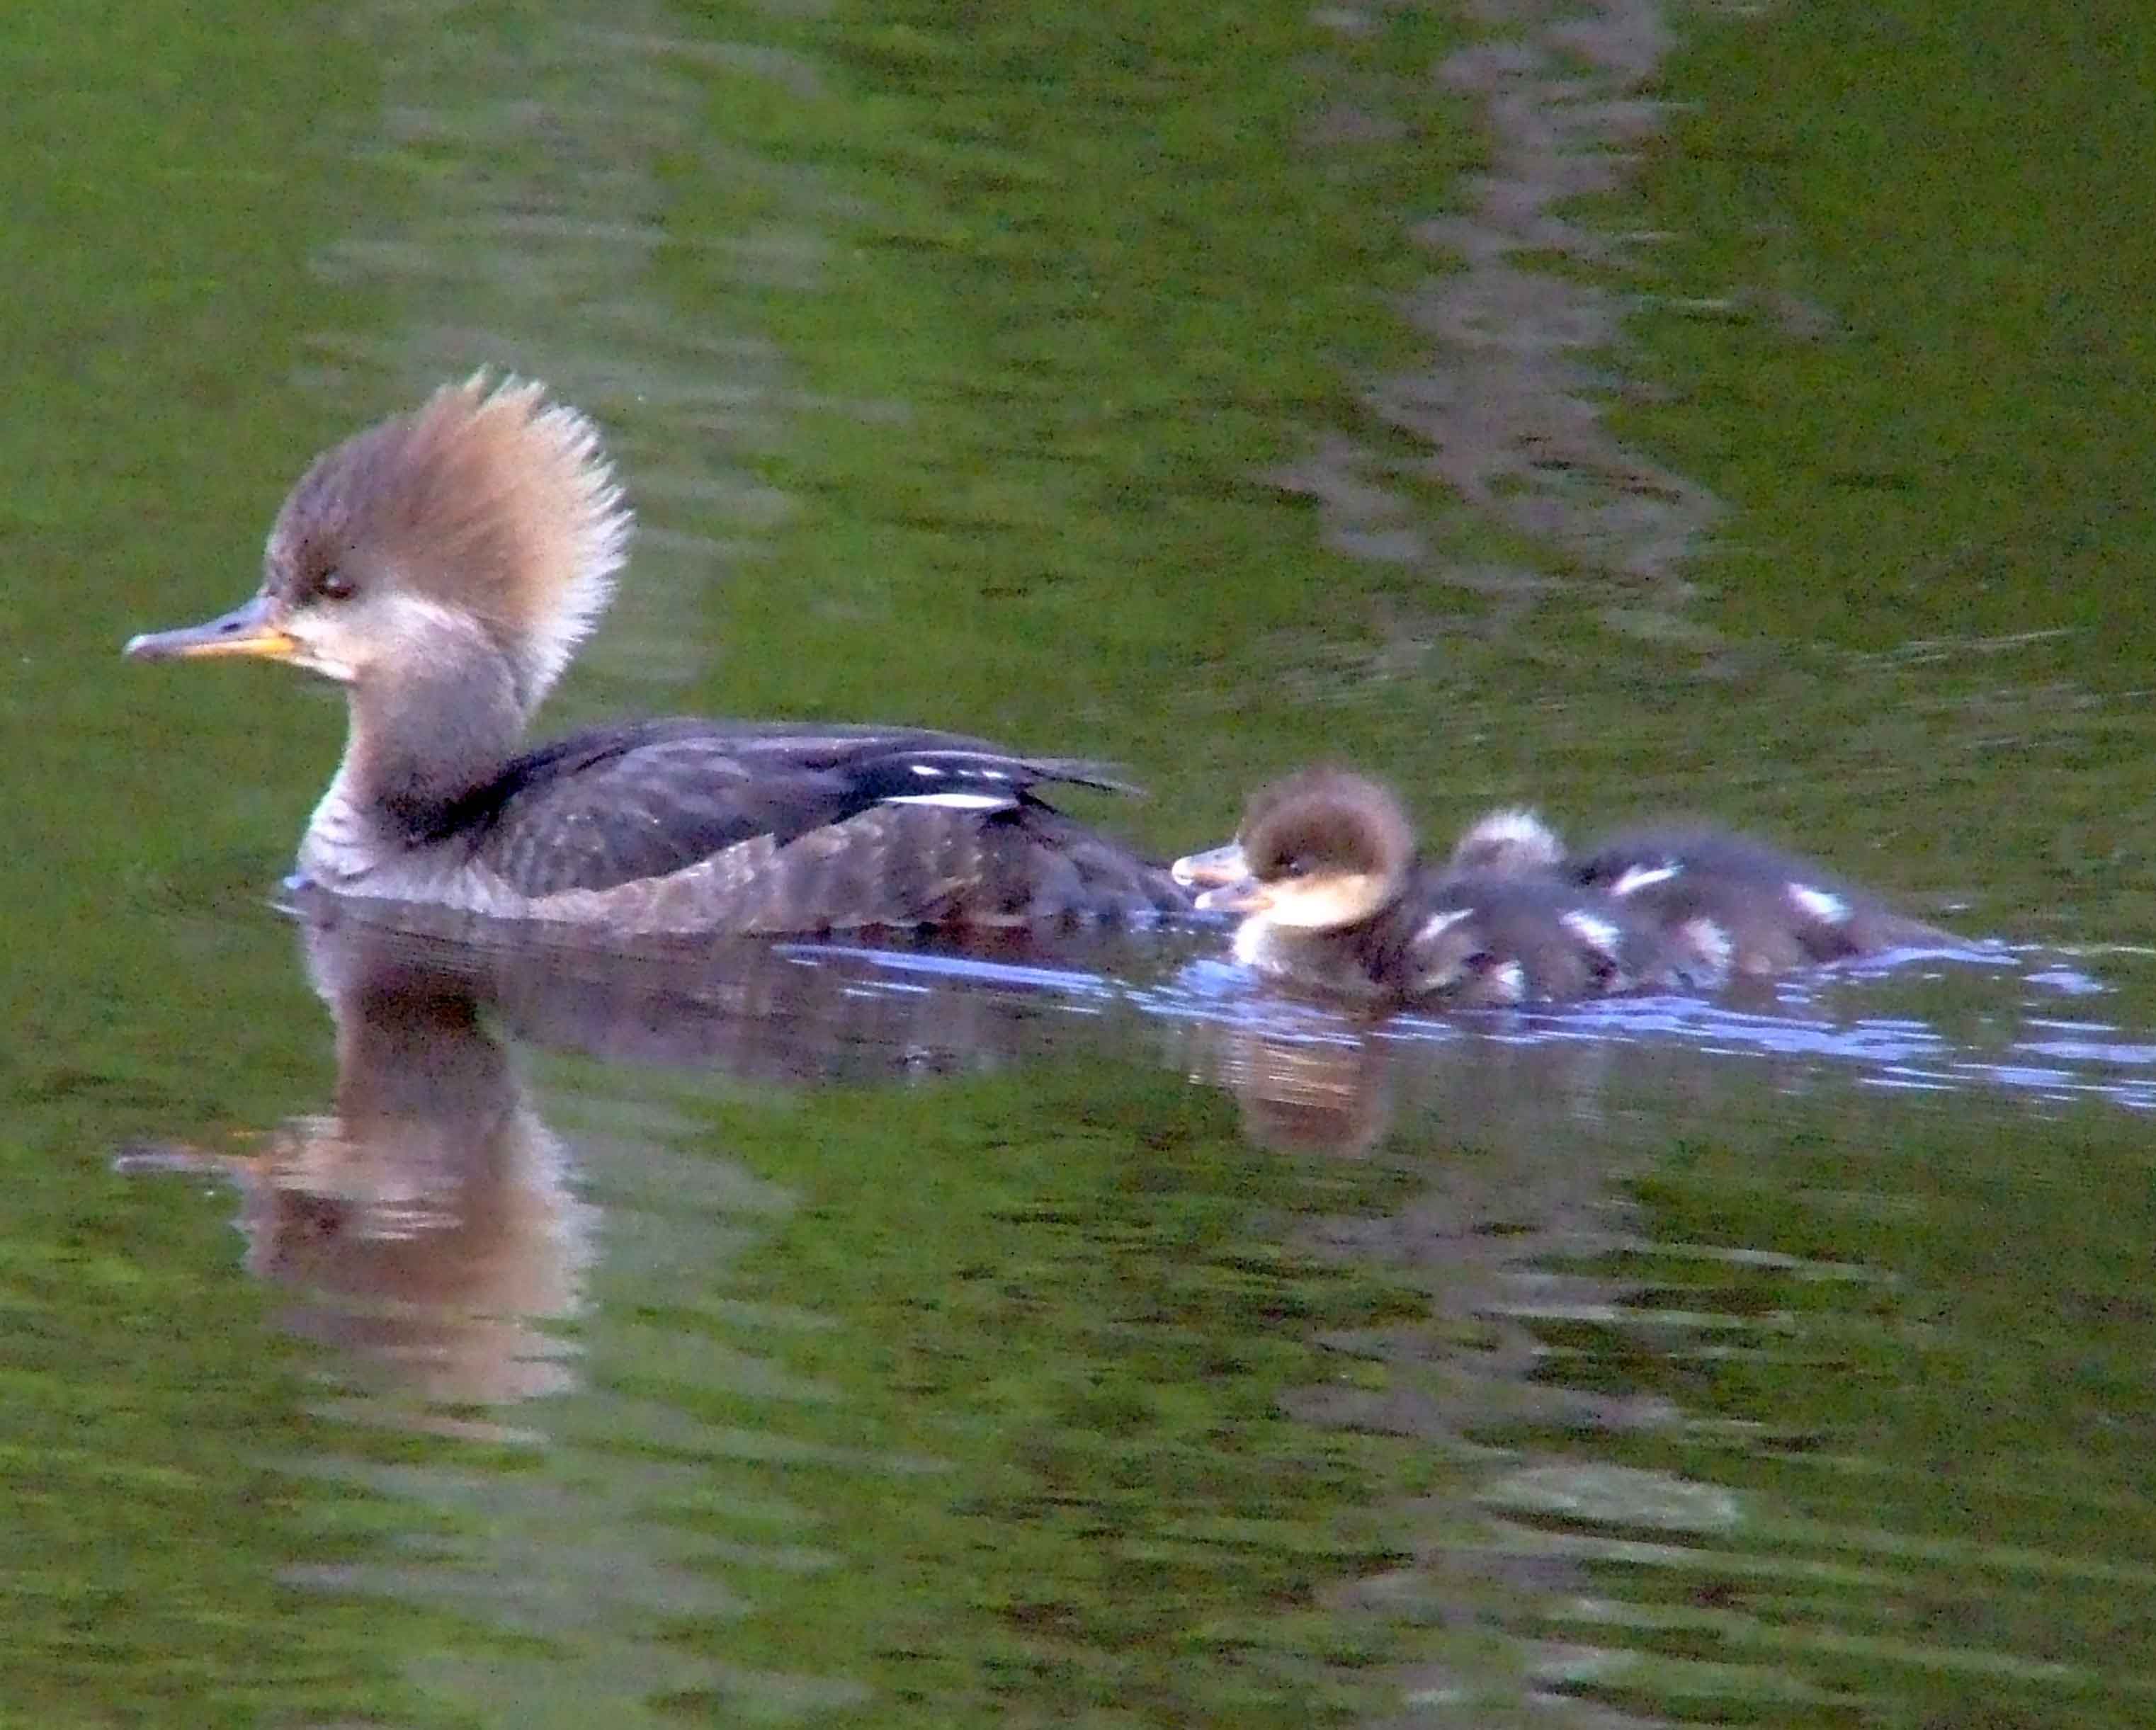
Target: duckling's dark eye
(333, 585)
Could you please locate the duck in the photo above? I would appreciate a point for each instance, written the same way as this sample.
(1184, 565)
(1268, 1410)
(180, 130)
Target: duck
(444, 566)
(1337, 899)
(1730, 905)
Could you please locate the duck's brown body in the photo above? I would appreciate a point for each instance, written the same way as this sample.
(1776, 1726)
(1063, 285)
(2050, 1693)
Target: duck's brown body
(677, 827)
(443, 567)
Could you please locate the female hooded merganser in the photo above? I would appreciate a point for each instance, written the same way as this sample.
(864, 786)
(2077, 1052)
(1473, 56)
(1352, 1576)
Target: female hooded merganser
(1325, 870)
(1725, 903)
(444, 565)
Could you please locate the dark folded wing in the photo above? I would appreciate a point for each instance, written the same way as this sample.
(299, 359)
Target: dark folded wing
(600, 808)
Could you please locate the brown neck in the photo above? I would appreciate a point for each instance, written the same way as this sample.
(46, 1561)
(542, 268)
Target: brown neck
(446, 728)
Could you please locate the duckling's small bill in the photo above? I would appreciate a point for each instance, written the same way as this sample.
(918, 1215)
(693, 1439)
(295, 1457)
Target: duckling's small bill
(1224, 875)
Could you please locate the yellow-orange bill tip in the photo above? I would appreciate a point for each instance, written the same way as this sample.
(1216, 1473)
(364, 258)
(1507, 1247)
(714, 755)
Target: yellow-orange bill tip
(247, 629)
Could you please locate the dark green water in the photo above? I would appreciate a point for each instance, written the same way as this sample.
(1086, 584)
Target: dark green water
(1743, 414)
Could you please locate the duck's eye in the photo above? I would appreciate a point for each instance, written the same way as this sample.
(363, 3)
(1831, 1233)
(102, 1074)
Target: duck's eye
(333, 585)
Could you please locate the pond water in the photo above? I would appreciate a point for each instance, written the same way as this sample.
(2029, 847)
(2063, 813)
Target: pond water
(1732, 409)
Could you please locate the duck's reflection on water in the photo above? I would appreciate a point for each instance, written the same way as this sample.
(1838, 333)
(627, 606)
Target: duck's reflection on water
(427, 1223)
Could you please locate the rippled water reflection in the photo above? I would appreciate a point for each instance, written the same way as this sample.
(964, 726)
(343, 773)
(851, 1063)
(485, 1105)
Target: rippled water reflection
(1642, 1429)
(419, 1332)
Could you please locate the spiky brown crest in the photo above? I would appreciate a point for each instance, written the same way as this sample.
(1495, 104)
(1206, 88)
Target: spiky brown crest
(1323, 821)
(487, 498)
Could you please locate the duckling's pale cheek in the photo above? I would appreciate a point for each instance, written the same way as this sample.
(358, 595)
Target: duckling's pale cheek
(1327, 904)
(1255, 944)
(1705, 952)
(1594, 933)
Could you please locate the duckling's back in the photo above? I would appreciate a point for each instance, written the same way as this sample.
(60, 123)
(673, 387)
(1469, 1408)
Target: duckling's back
(1770, 911)
(1509, 937)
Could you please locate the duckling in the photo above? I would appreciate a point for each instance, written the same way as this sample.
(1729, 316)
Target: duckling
(1726, 904)
(442, 568)
(1336, 899)
(1765, 911)
(1510, 842)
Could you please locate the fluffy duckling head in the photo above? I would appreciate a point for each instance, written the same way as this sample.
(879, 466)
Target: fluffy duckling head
(1321, 850)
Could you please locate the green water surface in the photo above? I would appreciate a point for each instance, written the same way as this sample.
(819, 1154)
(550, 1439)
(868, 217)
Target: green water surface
(954, 359)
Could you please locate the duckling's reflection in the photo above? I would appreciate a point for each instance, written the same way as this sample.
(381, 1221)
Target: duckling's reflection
(1298, 1095)
(1341, 1087)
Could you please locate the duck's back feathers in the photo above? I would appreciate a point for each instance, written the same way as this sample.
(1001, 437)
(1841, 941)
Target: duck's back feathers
(715, 825)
